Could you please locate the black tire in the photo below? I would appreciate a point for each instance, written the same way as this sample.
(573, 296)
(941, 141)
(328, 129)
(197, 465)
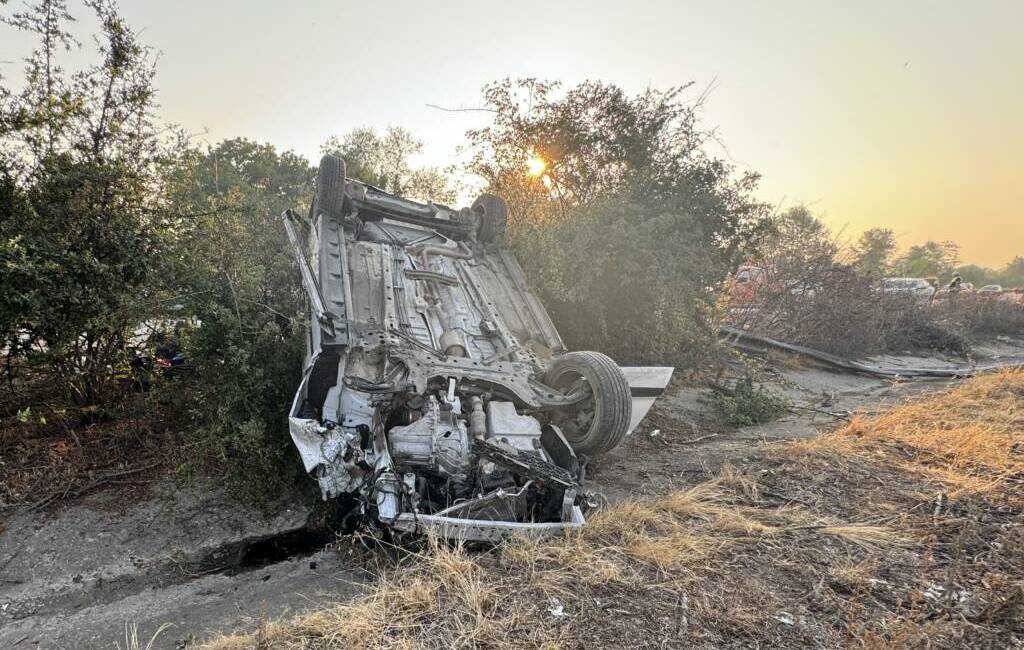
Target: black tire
(611, 404)
(330, 186)
(492, 213)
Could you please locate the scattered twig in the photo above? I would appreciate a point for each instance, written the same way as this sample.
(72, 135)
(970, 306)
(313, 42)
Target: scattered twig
(845, 415)
(698, 439)
(72, 494)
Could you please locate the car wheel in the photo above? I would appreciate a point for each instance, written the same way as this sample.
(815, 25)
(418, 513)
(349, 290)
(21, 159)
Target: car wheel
(600, 422)
(492, 212)
(330, 186)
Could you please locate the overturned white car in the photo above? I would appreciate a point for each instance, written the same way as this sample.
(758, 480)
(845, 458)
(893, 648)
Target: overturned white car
(437, 394)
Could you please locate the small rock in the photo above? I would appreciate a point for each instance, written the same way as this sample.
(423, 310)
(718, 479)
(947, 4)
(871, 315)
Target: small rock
(556, 608)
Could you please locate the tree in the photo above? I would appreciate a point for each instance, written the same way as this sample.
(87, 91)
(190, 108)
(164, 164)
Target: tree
(234, 272)
(1012, 275)
(86, 161)
(930, 259)
(628, 222)
(24, 276)
(796, 239)
(874, 251)
(383, 161)
(34, 121)
(976, 275)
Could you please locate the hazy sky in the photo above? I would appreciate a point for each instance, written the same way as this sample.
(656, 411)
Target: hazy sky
(908, 115)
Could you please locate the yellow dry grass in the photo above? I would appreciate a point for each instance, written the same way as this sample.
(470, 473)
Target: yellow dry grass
(449, 598)
(970, 438)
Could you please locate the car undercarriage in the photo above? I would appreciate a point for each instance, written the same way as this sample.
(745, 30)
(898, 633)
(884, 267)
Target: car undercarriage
(438, 396)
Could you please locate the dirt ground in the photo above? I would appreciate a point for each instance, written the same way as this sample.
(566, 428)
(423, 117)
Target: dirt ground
(76, 576)
(683, 440)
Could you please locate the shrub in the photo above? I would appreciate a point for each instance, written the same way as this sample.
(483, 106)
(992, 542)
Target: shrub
(235, 275)
(812, 297)
(80, 173)
(745, 404)
(629, 221)
(975, 315)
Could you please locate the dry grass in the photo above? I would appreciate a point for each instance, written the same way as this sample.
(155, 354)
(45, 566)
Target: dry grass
(447, 595)
(831, 543)
(450, 598)
(970, 438)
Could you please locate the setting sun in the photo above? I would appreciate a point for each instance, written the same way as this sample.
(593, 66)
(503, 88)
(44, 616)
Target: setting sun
(536, 166)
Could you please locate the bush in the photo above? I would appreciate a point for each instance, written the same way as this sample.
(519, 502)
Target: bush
(237, 278)
(810, 296)
(626, 282)
(83, 225)
(239, 401)
(744, 404)
(976, 316)
(629, 221)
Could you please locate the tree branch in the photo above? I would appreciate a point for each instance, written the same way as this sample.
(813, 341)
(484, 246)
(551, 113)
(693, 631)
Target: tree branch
(462, 110)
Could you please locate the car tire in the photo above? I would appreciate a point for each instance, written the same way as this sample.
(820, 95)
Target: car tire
(612, 403)
(492, 213)
(330, 186)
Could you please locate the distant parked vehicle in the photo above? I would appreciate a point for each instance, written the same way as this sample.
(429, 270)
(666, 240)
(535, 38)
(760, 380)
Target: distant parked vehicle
(745, 284)
(911, 286)
(990, 289)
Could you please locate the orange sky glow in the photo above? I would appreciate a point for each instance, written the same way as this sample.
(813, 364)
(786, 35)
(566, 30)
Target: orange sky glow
(875, 114)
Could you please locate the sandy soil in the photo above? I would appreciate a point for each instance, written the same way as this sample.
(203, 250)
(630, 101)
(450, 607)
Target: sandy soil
(76, 577)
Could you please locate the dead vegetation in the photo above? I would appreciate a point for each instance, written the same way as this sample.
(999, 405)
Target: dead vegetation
(55, 450)
(811, 290)
(836, 309)
(900, 530)
(544, 593)
(971, 439)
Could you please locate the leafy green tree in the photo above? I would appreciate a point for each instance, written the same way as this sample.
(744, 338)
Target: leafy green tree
(24, 275)
(235, 274)
(383, 161)
(628, 222)
(83, 161)
(930, 259)
(874, 251)
(797, 239)
(35, 120)
(976, 275)
(1010, 276)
